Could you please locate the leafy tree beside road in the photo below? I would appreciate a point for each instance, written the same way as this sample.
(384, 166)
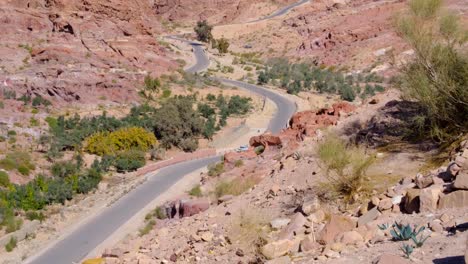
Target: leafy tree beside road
(203, 31)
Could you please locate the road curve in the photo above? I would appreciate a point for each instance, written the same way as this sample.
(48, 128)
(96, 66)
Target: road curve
(75, 246)
(281, 11)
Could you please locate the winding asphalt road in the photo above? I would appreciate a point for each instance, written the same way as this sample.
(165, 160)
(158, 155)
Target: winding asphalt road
(76, 245)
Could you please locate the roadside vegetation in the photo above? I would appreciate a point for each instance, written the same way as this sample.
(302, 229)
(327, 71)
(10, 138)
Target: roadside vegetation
(297, 77)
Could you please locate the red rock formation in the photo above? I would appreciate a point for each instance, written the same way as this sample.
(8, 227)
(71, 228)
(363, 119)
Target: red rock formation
(77, 51)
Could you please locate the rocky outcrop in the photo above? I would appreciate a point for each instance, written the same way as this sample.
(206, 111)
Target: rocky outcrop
(78, 51)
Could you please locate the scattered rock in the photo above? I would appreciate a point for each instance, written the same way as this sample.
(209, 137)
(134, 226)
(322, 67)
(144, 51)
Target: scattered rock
(308, 244)
(371, 215)
(350, 238)
(317, 217)
(375, 200)
(337, 247)
(310, 206)
(385, 204)
(277, 248)
(436, 226)
(296, 224)
(390, 259)
(336, 225)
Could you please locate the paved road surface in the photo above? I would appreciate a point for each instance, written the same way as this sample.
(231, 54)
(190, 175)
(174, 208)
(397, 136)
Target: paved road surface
(75, 246)
(282, 11)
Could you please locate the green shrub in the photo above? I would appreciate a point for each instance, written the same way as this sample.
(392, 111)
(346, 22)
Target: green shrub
(8, 164)
(63, 169)
(4, 179)
(203, 31)
(130, 160)
(160, 213)
(234, 187)
(259, 150)
(33, 122)
(196, 191)
(11, 133)
(23, 170)
(166, 93)
(216, 169)
(11, 244)
(238, 163)
(148, 227)
(437, 78)
(33, 215)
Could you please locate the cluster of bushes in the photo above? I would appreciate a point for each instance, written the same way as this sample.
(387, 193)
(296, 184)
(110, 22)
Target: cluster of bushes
(296, 77)
(174, 123)
(222, 45)
(248, 57)
(69, 178)
(123, 139)
(19, 161)
(219, 109)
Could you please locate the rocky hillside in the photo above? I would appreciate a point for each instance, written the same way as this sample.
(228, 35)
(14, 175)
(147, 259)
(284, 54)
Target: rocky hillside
(76, 51)
(273, 207)
(223, 11)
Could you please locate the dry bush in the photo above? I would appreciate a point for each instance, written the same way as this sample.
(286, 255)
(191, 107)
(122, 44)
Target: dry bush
(234, 187)
(249, 228)
(346, 168)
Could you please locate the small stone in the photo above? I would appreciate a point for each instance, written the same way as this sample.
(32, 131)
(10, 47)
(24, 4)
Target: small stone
(423, 181)
(396, 209)
(337, 247)
(453, 169)
(293, 228)
(310, 206)
(274, 190)
(225, 198)
(279, 223)
(321, 258)
(397, 199)
(336, 225)
(240, 252)
(317, 217)
(436, 226)
(308, 244)
(385, 204)
(351, 238)
(461, 161)
(207, 236)
(444, 218)
(331, 254)
(375, 200)
(276, 249)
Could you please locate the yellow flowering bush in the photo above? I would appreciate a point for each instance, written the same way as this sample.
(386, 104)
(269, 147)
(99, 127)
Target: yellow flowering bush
(109, 143)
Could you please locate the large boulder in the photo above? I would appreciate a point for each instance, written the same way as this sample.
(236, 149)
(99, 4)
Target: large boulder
(411, 201)
(192, 207)
(429, 197)
(335, 226)
(461, 182)
(457, 199)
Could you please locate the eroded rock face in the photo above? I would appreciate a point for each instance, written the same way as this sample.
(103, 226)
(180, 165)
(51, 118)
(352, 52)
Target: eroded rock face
(77, 51)
(214, 11)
